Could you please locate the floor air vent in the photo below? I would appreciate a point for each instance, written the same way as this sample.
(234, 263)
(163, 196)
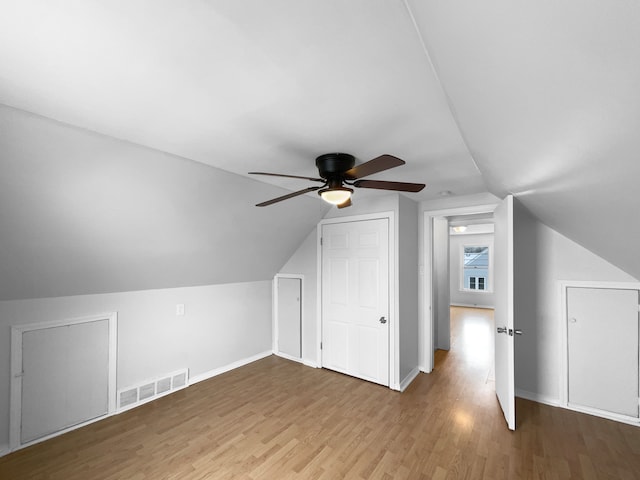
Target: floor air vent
(128, 397)
(144, 392)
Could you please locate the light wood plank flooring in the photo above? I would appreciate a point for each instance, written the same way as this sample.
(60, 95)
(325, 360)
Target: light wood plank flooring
(276, 419)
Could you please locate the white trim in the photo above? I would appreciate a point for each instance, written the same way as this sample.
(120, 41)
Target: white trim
(4, 449)
(15, 402)
(275, 319)
(536, 397)
(489, 285)
(309, 363)
(394, 305)
(600, 284)
(394, 314)
(406, 381)
(604, 414)
(288, 357)
(58, 433)
(226, 368)
(319, 294)
(426, 315)
(564, 345)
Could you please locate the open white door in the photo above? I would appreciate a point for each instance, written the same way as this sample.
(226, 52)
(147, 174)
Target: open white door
(503, 284)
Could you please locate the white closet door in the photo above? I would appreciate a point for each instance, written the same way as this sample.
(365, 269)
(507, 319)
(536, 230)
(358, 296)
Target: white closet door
(44, 362)
(88, 379)
(65, 377)
(289, 317)
(603, 349)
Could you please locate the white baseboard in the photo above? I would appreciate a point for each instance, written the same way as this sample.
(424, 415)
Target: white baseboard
(288, 357)
(536, 397)
(604, 414)
(4, 449)
(226, 368)
(307, 363)
(311, 364)
(409, 378)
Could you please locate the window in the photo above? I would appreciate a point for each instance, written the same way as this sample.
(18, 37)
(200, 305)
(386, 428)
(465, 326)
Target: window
(475, 265)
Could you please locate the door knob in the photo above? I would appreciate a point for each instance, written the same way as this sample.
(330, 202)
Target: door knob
(518, 332)
(383, 320)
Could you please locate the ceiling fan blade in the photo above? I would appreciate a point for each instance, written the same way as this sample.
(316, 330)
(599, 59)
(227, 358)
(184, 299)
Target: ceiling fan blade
(289, 195)
(382, 185)
(378, 164)
(313, 179)
(345, 204)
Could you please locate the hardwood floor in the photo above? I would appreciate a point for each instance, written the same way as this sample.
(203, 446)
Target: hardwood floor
(276, 419)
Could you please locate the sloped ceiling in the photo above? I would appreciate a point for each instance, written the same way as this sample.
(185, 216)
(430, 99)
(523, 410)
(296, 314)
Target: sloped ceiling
(547, 96)
(84, 213)
(168, 105)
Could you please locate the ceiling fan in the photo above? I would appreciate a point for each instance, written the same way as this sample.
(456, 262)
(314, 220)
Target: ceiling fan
(337, 170)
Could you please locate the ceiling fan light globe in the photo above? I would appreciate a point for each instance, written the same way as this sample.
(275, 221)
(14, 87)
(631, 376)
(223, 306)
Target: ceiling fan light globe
(336, 196)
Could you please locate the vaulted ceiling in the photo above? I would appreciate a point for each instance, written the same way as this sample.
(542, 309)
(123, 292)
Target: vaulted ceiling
(168, 105)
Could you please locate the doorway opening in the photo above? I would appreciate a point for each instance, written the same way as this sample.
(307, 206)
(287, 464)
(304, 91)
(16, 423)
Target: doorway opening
(472, 351)
(466, 336)
(438, 300)
(463, 276)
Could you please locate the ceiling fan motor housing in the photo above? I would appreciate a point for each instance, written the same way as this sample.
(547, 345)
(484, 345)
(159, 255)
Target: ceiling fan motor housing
(332, 165)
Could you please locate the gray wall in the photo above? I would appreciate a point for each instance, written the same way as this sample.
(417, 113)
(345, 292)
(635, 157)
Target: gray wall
(441, 298)
(408, 283)
(82, 213)
(542, 258)
(304, 261)
(457, 295)
(222, 324)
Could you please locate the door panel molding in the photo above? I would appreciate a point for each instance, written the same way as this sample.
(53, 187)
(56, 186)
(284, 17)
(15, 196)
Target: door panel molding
(563, 286)
(394, 335)
(504, 310)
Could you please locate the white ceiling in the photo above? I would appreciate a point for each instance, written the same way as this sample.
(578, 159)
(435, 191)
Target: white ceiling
(242, 86)
(83, 213)
(540, 99)
(547, 96)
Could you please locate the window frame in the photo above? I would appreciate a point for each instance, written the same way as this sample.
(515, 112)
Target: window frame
(488, 283)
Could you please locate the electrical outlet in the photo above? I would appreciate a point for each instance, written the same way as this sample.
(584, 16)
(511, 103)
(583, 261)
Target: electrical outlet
(180, 309)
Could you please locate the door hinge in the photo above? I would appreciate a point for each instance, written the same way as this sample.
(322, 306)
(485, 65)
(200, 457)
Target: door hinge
(320, 345)
(321, 244)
